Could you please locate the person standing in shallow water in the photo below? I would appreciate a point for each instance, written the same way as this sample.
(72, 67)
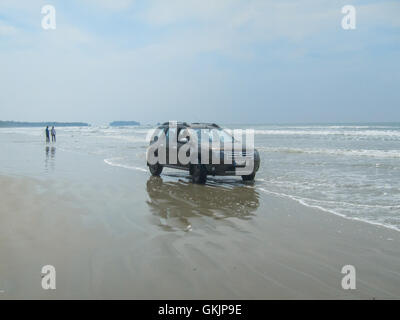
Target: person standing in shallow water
(47, 135)
(53, 134)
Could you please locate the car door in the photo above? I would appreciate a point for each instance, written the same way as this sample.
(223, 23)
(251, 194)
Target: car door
(171, 147)
(182, 140)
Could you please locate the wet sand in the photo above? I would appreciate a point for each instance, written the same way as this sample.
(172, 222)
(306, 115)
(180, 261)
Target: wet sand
(136, 237)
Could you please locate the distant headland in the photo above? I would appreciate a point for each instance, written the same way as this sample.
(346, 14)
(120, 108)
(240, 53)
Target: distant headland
(124, 123)
(16, 124)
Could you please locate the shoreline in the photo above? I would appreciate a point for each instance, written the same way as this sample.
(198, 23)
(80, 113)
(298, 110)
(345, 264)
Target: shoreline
(300, 201)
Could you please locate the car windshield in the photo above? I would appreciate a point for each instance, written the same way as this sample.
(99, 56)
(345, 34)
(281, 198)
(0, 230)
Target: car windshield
(214, 135)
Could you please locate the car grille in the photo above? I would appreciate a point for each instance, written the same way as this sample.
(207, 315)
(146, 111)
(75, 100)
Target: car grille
(239, 154)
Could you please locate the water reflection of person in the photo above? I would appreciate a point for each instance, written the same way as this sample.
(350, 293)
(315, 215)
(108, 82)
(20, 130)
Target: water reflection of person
(50, 157)
(175, 203)
(53, 152)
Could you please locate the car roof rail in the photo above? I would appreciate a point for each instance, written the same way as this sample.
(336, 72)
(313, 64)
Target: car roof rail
(207, 124)
(185, 124)
(178, 123)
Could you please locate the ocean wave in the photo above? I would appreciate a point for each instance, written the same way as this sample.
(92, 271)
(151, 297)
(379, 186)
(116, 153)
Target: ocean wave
(344, 203)
(357, 133)
(114, 163)
(26, 131)
(124, 138)
(317, 204)
(335, 152)
(324, 127)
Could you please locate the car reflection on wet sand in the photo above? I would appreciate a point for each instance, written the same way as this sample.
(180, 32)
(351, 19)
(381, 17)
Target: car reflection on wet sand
(176, 203)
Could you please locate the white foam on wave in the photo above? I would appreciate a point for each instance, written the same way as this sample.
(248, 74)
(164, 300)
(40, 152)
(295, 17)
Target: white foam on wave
(357, 133)
(303, 201)
(108, 132)
(347, 127)
(343, 152)
(125, 138)
(112, 162)
(26, 131)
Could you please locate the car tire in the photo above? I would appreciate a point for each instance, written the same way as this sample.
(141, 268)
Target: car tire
(199, 174)
(250, 177)
(155, 169)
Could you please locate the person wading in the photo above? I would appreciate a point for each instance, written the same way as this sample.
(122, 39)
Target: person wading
(47, 135)
(53, 134)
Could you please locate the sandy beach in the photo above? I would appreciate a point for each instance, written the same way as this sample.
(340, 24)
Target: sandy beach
(137, 237)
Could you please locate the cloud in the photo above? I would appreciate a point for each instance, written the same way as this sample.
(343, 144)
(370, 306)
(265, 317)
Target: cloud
(111, 4)
(163, 13)
(7, 30)
(117, 59)
(379, 14)
(234, 27)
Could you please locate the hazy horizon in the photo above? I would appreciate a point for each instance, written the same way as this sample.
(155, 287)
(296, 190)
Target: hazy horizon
(106, 123)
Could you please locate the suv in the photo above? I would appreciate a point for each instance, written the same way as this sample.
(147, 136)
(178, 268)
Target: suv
(202, 149)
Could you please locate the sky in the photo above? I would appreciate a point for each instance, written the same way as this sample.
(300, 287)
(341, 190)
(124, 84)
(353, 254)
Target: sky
(225, 61)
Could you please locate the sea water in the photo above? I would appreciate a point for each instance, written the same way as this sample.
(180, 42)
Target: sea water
(350, 170)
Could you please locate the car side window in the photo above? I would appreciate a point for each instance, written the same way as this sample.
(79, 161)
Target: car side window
(183, 134)
(171, 132)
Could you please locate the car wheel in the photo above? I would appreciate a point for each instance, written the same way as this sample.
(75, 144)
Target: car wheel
(199, 174)
(250, 177)
(155, 169)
